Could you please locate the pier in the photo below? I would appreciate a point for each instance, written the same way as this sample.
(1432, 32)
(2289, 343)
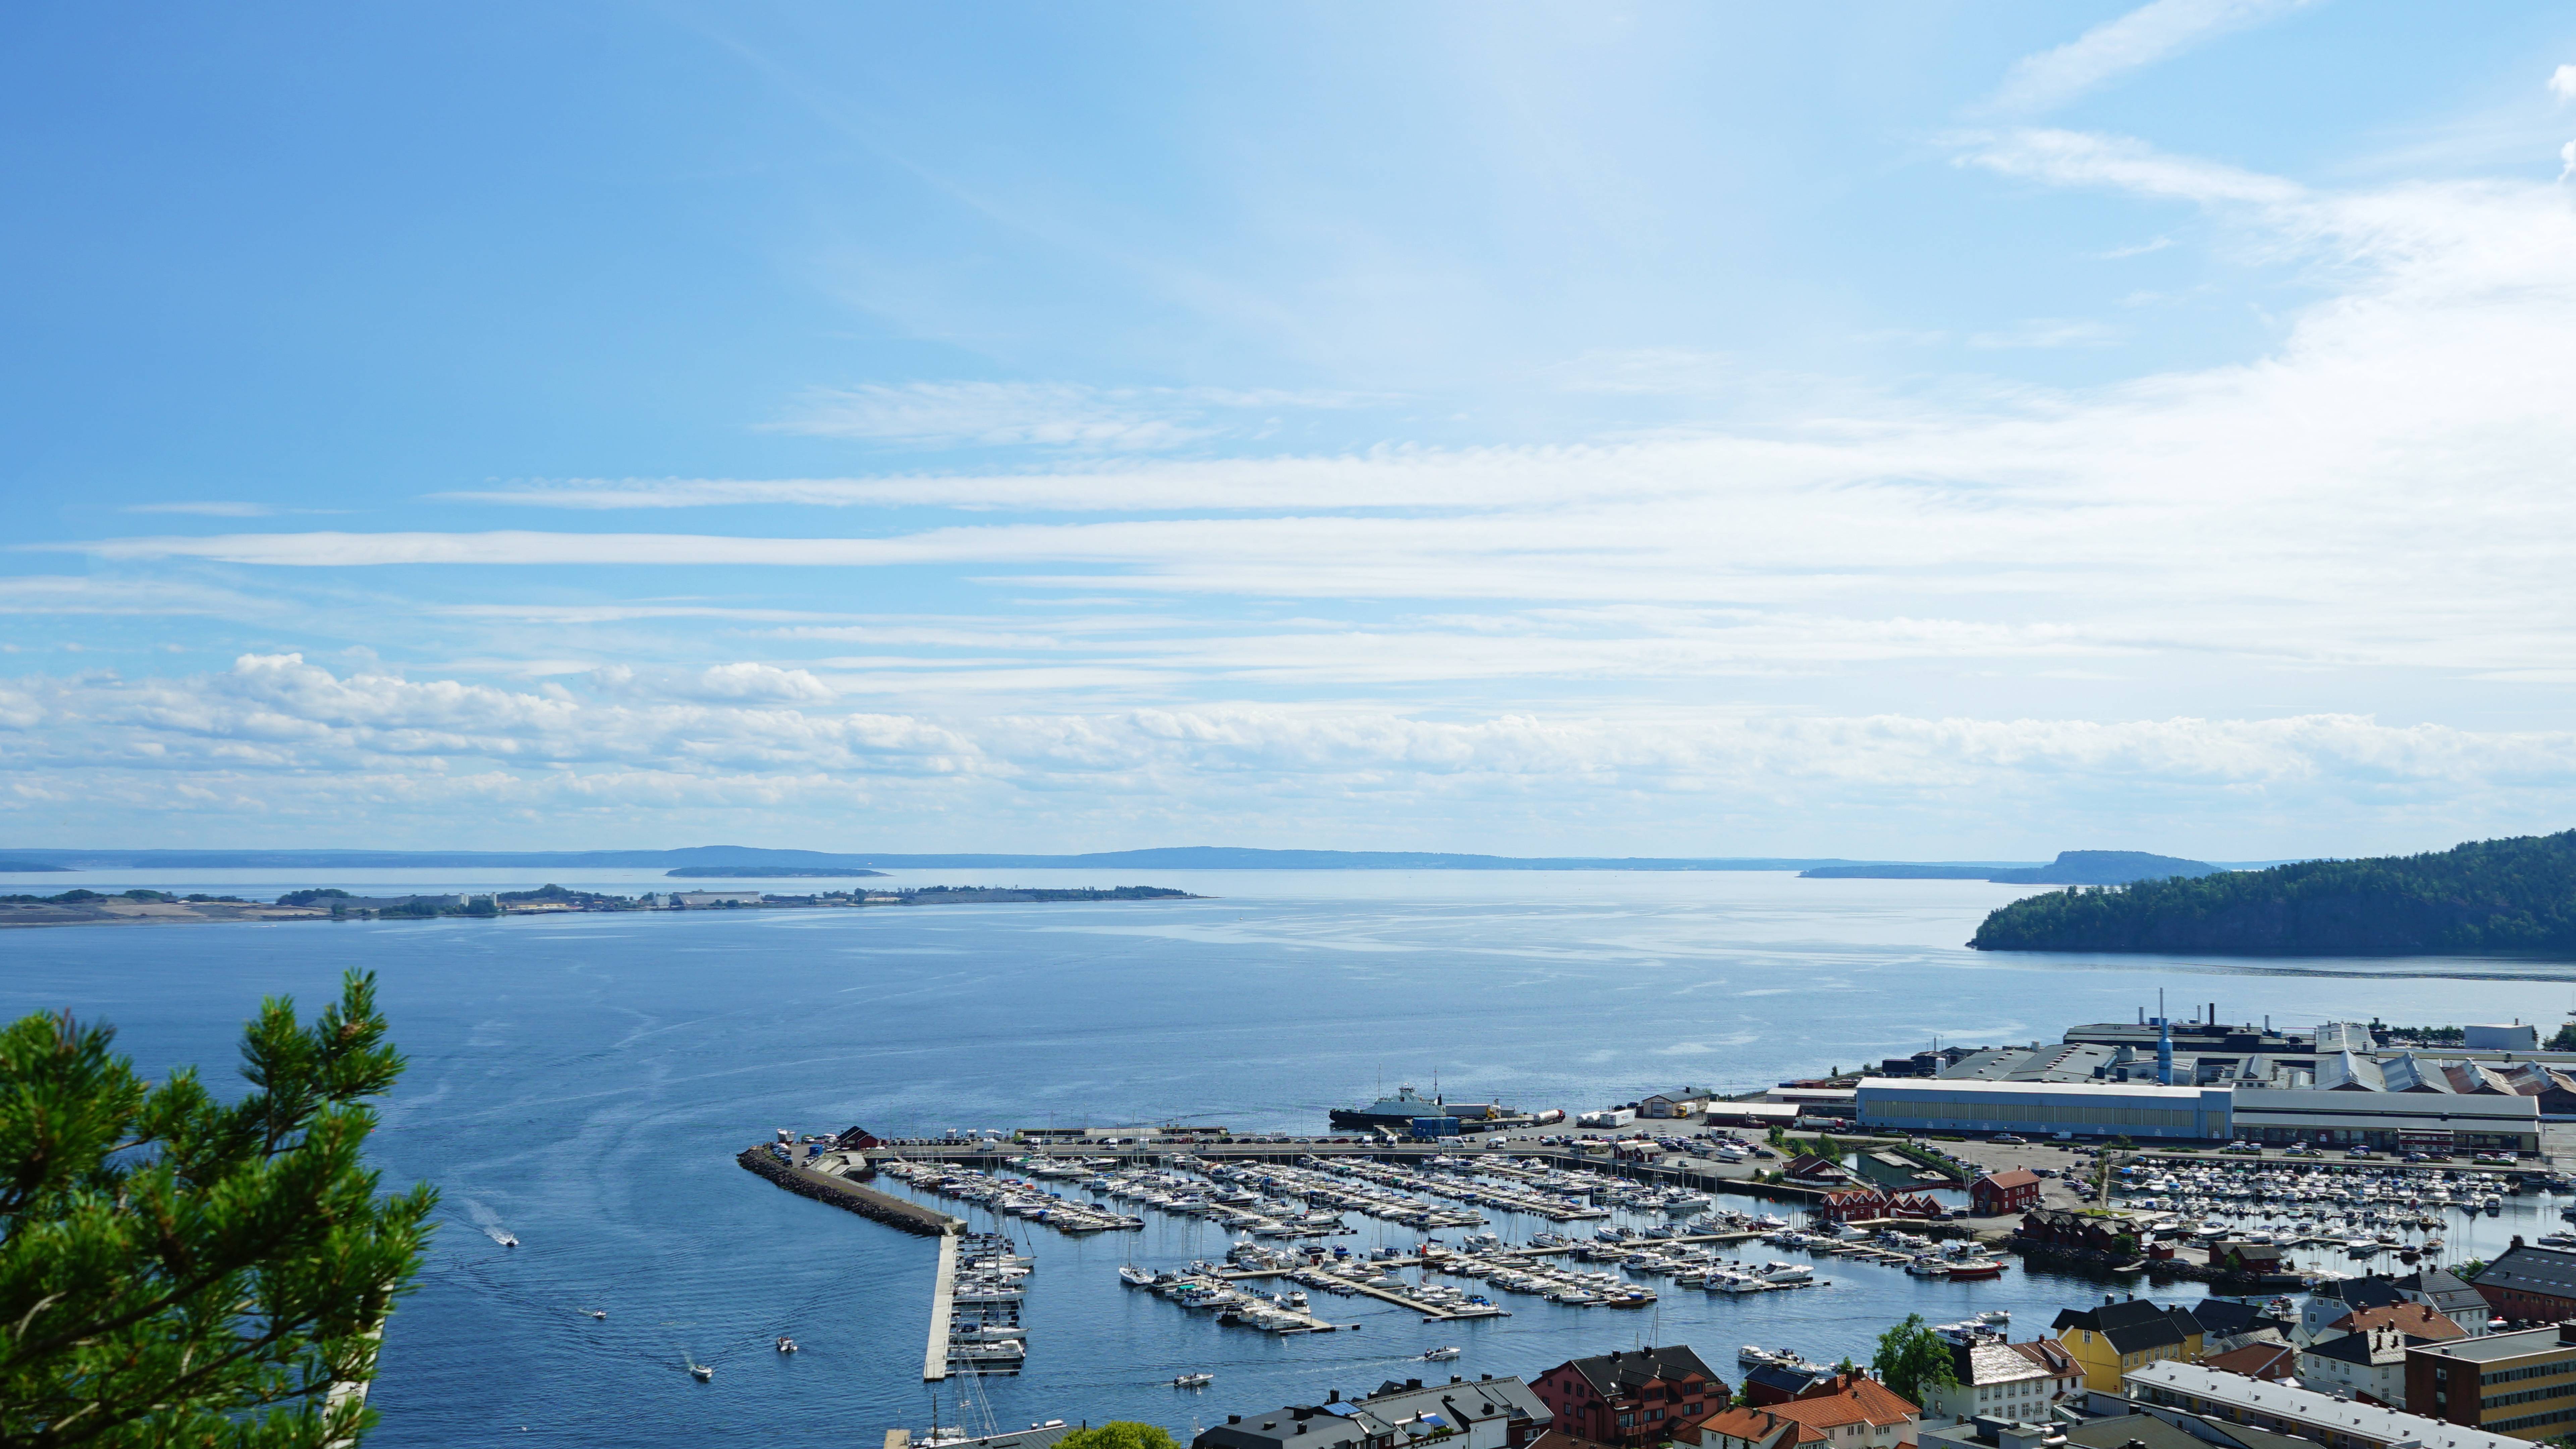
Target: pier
(840, 1192)
(1431, 1312)
(943, 1294)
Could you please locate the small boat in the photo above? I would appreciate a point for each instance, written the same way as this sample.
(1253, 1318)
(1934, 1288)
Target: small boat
(1969, 1270)
(1754, 1355)
(786, 1344)
(507, 1240)
(1440, 1355)
(701, 1372)
(1995, 1316)
(1135, 1277)
(1193, 1381)
(599, 1313)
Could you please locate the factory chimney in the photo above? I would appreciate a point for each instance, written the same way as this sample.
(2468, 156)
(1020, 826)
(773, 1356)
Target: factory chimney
(2164, 1044)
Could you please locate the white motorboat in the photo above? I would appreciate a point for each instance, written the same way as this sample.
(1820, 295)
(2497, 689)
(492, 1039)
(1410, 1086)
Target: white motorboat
(701, 1372)
(1193, 1381)
(1441, 1355)
(786, 1344)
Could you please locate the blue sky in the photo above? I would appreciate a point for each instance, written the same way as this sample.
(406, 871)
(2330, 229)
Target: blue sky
(1914, 430)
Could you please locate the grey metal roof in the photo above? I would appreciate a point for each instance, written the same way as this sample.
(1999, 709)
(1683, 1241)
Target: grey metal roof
(1460, 1400)
(2495, 1347)
(2308, 1407)
(1282, 1428)
(2527, 1269)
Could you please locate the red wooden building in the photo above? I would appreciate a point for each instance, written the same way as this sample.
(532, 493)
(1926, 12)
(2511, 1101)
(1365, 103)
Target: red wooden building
(2015, 1189)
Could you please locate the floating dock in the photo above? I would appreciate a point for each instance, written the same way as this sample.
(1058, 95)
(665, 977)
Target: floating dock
(943, 1291)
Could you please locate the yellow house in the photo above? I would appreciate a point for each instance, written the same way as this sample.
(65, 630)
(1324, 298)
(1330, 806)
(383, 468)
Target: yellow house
(2119, 1336)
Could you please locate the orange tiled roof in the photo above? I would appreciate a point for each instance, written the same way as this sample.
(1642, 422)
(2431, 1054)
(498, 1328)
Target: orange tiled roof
(1854, 1400)
(2418, 1319)
(1760, 1426)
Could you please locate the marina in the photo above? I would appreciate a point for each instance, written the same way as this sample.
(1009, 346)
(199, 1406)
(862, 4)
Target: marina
(1239, 1024)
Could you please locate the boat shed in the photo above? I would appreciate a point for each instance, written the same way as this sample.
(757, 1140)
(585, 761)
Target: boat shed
(2107, 1109)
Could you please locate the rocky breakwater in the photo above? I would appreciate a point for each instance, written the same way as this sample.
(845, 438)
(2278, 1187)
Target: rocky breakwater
(840, 1192)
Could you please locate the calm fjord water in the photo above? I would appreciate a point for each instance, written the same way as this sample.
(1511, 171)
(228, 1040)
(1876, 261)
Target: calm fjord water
(585, 1082)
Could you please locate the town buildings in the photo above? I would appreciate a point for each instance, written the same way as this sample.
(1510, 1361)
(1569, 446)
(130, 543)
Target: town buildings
(2009, 1191)
(2536, 1285)
(2522, 1384)
(2120, 1336)
(2025, 1381)
(2170, 1389)
(2271, 1362)
(2449, 1295)
(1874, 1204)
(2368, 1365)
(1679, 1102)
(1848, 1411)
(1483, 1413)
(1638, 1396)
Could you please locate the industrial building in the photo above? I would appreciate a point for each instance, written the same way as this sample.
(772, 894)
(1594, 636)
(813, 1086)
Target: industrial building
(2140, 1111)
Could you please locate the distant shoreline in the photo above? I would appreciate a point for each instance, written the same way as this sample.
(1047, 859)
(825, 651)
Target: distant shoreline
(28, 913)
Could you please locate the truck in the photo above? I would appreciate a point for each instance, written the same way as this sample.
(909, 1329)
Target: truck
(1613, 1117)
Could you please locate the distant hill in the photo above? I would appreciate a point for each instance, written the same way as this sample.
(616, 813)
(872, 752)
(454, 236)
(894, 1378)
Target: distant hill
(28, 867)
(2491, 897)
(774, 862)
(768, 872)
(2072, 867)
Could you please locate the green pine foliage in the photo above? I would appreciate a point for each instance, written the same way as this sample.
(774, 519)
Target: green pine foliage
(179, 1270)
(2491, 897)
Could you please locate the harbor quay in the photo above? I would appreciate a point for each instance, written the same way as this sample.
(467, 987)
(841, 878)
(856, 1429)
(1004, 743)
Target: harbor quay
(2325, 1260)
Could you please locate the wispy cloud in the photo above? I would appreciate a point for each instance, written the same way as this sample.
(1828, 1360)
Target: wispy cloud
(78, 594)
(211, 509)
(1046, 414)
(2141, 249)
(2080, 158)
(2562, 83)
(2144, 36)
(2048, 332)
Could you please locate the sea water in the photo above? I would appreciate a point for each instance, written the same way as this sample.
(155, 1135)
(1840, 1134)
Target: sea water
(585, 1081)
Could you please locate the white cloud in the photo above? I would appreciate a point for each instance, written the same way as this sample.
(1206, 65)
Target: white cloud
(1049, 414)
(207, 509)
(2562, 83)
(761, 682)
(278, 736)
(2144, 36)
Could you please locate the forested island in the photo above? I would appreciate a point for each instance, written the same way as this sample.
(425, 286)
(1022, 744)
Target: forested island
(2072, 867)
(2489, 897)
